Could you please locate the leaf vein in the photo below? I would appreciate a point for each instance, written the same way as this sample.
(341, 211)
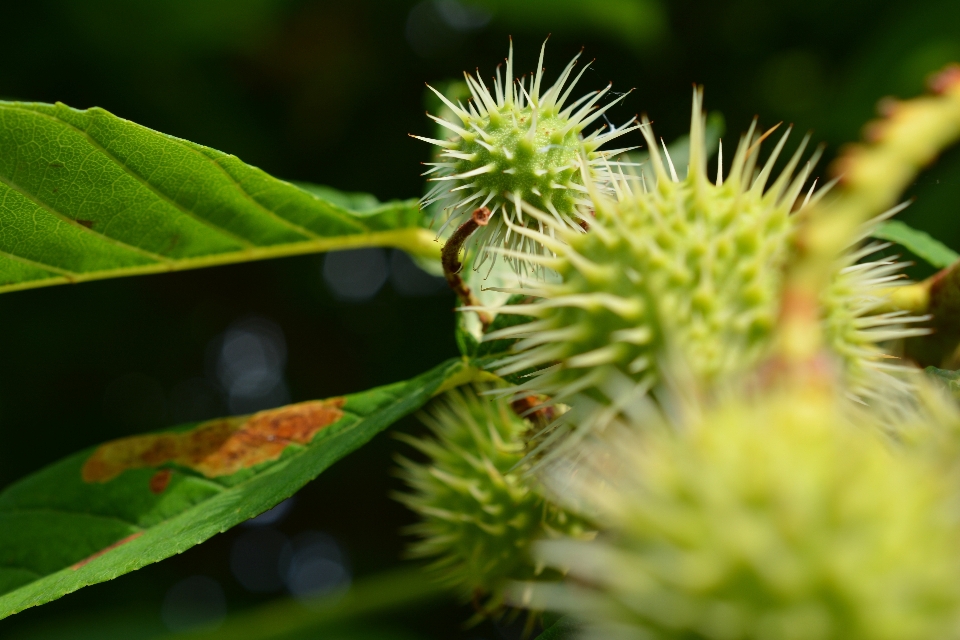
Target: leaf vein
(246, 194)
(84, 229)
(69, 275)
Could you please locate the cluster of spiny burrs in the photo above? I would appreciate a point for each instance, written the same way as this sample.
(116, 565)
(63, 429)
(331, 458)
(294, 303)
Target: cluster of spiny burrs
(704, 339)
(518, 146)
(688, 271)
(480, 512)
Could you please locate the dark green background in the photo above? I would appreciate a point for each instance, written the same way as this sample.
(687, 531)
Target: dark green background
(326, 92)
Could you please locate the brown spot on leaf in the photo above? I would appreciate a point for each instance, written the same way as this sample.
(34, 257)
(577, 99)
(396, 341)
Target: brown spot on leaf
(160, 480)
(174, 241)
(86, 223)
(55, 165)
(219, 447)
(113, 546)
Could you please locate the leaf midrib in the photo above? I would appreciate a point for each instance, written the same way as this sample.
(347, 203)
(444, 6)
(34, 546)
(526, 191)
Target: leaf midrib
(43, 266)
(324, 243)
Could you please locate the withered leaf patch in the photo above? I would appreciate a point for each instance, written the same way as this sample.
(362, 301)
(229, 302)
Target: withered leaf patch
(219, 447)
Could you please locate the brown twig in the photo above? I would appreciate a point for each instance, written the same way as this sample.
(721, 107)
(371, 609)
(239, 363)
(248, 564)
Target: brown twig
(450, 258)
(536, 409)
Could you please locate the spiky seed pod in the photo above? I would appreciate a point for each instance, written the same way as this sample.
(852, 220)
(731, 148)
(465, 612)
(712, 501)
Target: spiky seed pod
(480, 513)
(690, 268)
(777, 518)
(518, 144)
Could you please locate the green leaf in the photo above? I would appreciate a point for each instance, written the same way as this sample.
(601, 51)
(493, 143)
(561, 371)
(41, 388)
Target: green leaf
(101, 513)
(917, 242)
(86, 195)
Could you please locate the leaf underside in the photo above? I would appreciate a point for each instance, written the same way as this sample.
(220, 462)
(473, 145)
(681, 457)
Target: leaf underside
(917, 242)
(60, 532)
(86, 195)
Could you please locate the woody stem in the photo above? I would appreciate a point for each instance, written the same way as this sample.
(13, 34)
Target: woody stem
(450, 258)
